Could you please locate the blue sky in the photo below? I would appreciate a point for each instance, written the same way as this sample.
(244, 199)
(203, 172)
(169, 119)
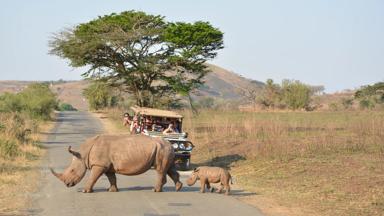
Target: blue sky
(335, 43)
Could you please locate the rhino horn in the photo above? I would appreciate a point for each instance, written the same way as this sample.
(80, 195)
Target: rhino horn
(75, 153)
(58, 175)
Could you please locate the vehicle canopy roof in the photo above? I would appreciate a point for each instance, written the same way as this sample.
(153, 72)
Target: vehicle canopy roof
(156, 112)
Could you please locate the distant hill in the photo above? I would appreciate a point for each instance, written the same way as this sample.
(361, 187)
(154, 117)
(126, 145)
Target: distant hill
(220, 83)
(224, 84)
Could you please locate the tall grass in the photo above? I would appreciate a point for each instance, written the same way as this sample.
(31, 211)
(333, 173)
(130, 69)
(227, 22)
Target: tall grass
(285, 135)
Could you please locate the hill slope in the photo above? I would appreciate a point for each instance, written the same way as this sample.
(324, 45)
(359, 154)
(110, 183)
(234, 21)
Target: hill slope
(220, 83)
(224, 83)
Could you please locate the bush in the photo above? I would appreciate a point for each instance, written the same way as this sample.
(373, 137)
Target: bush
(347, 103)
(66, 107)
(296, 95)
(366, 104)
(8, 148)
(10, 103)
(98, 95)
(37, 100)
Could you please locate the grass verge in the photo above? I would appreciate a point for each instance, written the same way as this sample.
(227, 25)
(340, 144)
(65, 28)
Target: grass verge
(19, 175)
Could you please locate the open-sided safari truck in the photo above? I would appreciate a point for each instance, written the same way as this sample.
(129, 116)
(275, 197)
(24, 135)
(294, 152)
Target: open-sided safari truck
(153, 122)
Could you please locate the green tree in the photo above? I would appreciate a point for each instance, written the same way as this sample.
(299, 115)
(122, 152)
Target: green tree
(296, 94)
(370, 94)
(271, 94)
(98, 94)
(141, 53)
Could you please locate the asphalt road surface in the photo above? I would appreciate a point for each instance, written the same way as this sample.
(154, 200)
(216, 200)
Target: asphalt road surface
(135, 196)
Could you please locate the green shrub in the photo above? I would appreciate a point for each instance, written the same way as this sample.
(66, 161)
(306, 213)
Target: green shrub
(66, 107)
(366, 104)
(347, 103)
(10, 103)
(296, 95)
(98, 95)
(39, 101)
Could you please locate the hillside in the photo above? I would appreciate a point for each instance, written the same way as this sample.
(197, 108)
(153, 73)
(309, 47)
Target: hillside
(224, 83)
(220, 83)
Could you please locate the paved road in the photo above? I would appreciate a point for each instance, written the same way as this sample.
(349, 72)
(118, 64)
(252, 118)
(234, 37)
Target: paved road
(135, 197)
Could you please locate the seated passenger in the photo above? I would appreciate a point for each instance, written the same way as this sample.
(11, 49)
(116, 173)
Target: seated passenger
(157, 127)
(135, 127)
(126, 120)
(171, 129)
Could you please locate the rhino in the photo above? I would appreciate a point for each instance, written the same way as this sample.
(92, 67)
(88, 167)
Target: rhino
(208, 175)
(121, 154)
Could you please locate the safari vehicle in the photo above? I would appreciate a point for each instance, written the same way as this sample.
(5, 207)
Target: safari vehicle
(153, 122)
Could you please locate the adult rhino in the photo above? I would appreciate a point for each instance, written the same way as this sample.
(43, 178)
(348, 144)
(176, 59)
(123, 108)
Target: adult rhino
(122, 154)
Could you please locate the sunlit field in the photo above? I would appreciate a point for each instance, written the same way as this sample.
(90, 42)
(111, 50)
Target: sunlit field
(329, 163)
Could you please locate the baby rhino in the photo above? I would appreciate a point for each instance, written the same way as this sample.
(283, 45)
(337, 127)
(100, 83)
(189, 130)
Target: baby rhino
(208, 175)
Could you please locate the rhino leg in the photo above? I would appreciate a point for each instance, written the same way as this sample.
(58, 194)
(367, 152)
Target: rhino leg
(227, 188)
(161, 180)
(208, 186)
(220, 189)
(96, 172)
(202, 185)
(174, 175)
(112, 180)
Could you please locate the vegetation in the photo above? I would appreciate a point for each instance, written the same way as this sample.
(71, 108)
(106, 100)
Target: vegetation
(370, 95)
(99, 95)
(21, 116)
(298, 158)
(66, 107)
(37, 101)
(142, 54)
(295, 94)
(290, 94)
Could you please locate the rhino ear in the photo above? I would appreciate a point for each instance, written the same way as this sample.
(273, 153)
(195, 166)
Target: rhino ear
(75, 153)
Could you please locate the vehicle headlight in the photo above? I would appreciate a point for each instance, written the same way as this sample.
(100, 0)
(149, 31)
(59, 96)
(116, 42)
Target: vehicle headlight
(188, 148)
(181, 146)
(175, 146)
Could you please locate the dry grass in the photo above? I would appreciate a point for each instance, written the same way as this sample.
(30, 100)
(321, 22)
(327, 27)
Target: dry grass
(325, 163)
(111, 120)
(18, 180)
(19, 174)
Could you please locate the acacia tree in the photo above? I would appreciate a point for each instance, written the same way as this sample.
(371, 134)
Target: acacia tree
(141, 53)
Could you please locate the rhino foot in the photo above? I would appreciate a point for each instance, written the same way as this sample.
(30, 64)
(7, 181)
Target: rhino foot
(157, 190)
(87, 191)
(113, 189)
(179, 185)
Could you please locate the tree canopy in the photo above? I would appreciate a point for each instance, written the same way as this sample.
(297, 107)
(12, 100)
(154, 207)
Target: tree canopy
(143, 54)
